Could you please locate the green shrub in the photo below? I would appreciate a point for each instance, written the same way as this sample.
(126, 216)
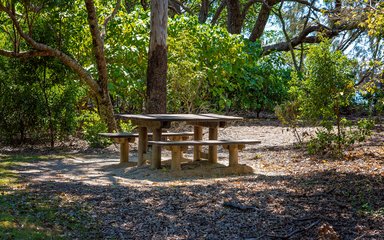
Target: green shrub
(331, 143)
(91, 126)
(320, 92)
(209, 69)
(37, 101)
(288, 115)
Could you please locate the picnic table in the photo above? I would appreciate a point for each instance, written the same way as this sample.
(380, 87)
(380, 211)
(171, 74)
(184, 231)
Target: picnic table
(158, 122)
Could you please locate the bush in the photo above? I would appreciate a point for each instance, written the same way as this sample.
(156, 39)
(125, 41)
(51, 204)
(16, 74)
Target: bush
(37, 101)
(208, 68)
(321, 92)
(91, 126)
(288, 115)
(331, 143)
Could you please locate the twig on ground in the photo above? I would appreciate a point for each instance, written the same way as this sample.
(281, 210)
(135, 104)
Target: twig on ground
(238, 206)
(322, 194)
(297, 231)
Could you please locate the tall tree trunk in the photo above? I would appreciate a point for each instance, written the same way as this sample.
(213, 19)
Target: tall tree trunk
(204, 9)
(262, 20)
(234, 17)
(157, 58)
(106, 107)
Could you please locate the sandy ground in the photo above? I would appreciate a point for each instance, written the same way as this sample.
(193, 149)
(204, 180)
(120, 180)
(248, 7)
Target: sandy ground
(289, 195)
(102, 167)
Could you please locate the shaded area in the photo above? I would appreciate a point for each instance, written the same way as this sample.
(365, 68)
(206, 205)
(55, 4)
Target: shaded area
(291, 196)
(27, 213)
(351, 204)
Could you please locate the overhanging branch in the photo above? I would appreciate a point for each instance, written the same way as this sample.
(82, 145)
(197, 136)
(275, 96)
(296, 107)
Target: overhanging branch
(28, 54)
(64, 58)
(304, 38)
(109, 18)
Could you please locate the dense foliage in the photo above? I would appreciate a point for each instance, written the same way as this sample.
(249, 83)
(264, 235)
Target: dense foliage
(36, 100)
(209, 67)
(319, 94)
(209, 70)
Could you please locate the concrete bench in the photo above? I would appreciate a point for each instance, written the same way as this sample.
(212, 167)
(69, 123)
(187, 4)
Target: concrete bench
(124, 138)
(233, 146)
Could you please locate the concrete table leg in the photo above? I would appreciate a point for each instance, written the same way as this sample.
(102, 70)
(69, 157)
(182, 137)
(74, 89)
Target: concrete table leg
(233, 155)
(212, 150)
(142, 147)
(124, 151)
(176, 158)
(197, 135)
(156, 149)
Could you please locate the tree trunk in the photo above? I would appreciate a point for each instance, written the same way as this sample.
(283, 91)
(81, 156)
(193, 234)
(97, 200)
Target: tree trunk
(157, 58)
(106, 107)
(262, 20)
(234, 17)
(204, 9)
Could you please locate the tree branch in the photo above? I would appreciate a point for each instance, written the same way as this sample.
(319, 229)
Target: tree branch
(304, 38)
(344, 45)
(262, 19)
(64, 58)
(291, 50)
(247, 6)
(204, 9)
(97, 44)
(218, 12)
(187, 9)
(109, 18)
(26, 54)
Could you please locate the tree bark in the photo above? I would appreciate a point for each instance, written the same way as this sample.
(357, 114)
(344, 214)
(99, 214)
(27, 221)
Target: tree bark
(157, 58)
(234, 17)
(106, 107)
(262, 20)
(204, 9)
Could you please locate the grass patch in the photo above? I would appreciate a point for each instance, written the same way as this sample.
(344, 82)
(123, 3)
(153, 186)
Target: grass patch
(29, 214)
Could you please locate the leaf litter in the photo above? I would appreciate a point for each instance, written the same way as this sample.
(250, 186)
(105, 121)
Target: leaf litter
(291, 195)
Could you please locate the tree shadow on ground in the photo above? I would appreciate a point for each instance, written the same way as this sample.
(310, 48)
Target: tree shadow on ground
(276, 207)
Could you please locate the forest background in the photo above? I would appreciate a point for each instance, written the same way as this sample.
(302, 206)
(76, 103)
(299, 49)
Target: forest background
(67, 66)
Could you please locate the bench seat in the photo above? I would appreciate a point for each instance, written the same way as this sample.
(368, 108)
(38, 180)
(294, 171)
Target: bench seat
(124, 138)
(233, 146)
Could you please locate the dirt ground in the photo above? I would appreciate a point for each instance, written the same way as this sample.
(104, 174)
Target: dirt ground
(288, 195)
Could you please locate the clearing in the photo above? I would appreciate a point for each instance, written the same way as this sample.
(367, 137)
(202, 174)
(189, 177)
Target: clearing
(290, 195)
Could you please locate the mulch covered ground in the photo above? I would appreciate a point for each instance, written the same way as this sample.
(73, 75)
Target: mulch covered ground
(291, 195)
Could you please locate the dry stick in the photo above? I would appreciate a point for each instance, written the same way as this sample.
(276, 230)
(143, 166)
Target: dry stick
(238, 206)
(288, 236)
(321, 194)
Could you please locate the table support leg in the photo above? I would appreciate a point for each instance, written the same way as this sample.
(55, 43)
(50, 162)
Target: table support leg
(142, 147)
(197, 135)
(212, 150)
(124, 151)
(176, 158)
(233, 155)
(156, 149)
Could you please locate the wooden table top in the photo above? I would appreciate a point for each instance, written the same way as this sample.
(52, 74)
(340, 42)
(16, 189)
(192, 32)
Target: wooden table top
(179, 117)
